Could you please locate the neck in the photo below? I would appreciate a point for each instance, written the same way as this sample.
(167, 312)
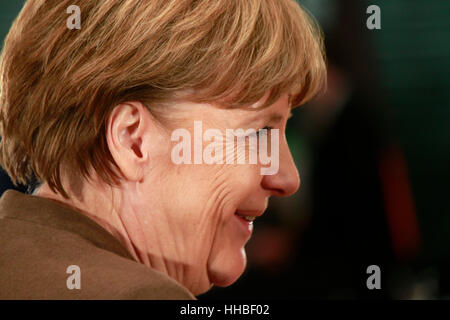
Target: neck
(107, 207)
(96, 206)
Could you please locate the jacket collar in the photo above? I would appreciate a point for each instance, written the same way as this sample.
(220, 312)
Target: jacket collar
(57, 215)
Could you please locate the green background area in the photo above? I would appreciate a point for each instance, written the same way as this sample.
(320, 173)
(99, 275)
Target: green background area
(413, 51)
(412, 58)
(8, 11)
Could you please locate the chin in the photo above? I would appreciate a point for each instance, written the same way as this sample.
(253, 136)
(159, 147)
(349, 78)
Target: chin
(226, 269)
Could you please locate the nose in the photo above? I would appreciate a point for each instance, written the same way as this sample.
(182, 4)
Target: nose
(286, 181)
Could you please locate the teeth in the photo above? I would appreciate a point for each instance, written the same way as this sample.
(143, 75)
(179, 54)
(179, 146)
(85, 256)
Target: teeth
(248, 218)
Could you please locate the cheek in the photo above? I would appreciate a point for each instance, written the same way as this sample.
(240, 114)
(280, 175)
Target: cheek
(227, 259)
(202, 202)
(196, 198)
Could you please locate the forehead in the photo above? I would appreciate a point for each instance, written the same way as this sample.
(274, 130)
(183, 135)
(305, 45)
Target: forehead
(220, 116)
(274, 113)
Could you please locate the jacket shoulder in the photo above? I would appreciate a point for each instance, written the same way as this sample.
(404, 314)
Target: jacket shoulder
(38, 262)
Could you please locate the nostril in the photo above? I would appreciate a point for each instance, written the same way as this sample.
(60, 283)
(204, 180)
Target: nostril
(279, 192)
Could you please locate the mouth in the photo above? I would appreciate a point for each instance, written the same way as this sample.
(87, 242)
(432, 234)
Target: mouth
(249, 215)
(247, 218)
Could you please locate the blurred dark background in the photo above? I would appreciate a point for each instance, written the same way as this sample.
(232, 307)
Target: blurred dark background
(373, 154)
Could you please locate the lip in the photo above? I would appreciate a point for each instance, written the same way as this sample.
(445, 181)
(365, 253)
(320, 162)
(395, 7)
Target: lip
(244, 225)
(247, 226)
(256, 213)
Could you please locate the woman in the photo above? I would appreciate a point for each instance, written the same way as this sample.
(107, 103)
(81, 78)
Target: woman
(99, 114)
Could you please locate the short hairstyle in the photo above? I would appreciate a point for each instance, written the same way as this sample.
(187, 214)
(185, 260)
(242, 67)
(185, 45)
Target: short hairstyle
(58, 86)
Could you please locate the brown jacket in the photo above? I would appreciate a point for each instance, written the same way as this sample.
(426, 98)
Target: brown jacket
(40, 238)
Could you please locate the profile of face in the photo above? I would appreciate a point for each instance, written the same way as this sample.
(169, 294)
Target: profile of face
(191, 220)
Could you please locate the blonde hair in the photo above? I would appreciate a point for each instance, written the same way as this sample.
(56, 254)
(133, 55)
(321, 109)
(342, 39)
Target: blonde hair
(58, 86)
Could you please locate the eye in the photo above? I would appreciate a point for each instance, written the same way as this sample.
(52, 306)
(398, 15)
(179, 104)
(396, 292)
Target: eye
(263, 131)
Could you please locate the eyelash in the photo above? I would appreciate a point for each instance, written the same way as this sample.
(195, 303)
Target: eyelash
(260, 131)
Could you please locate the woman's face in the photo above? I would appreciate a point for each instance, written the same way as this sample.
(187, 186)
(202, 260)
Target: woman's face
(190, 211)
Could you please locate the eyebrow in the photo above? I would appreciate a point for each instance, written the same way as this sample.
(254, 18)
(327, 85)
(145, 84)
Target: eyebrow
(276, 118)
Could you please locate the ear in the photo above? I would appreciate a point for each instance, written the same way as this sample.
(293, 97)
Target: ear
(126, 131)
